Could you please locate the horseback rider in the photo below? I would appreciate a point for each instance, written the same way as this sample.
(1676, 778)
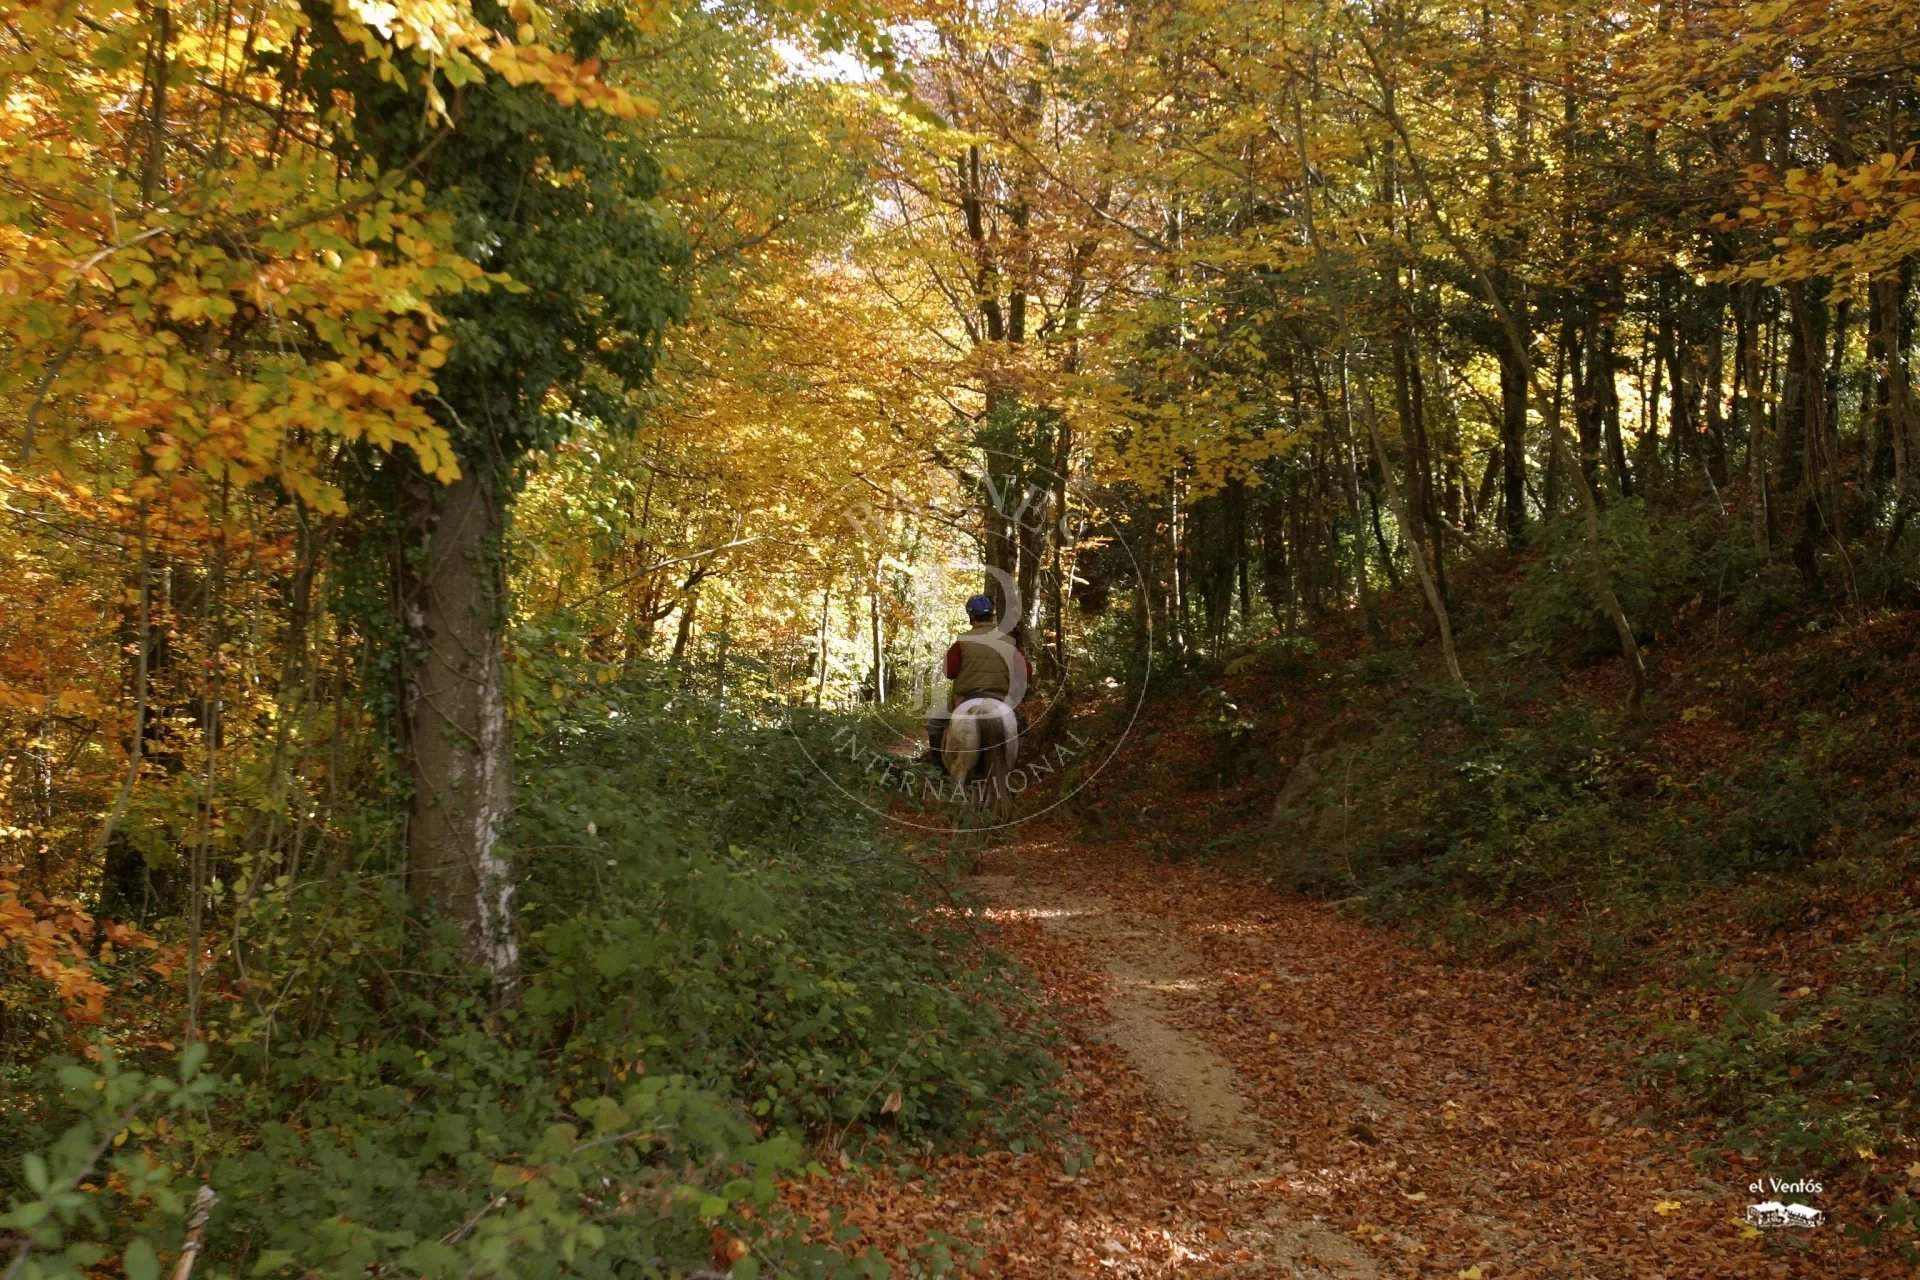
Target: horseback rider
(982, 663)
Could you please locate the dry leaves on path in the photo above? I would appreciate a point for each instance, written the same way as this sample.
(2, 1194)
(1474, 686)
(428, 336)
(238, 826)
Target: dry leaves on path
(1271, 1089)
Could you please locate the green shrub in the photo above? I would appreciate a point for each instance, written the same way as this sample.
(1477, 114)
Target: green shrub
(723, 959)
(1500, 816)
(1776, 809)
(1279, 657)
(1230, 728)
(1811, 1078)
(1384, 668)
(1753, 590)
(97, 1189)
(1651, 564)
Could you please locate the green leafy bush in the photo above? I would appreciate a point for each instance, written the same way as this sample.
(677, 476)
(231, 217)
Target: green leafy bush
(1230, 727)
(724, 959)
(1776, 809)
(772, 945)
(90, 1193)
(1652, 565)
(1813, 1079)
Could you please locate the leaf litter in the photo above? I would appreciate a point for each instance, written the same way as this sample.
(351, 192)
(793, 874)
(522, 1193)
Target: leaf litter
(1259, 1086)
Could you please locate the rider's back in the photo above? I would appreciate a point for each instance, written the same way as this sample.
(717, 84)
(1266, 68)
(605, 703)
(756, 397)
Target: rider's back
(981, 667)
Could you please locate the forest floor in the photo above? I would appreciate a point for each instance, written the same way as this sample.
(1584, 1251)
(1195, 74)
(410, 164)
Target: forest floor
(1260, 1086)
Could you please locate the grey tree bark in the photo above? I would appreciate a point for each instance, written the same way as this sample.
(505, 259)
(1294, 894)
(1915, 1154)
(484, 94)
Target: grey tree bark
(458, 749)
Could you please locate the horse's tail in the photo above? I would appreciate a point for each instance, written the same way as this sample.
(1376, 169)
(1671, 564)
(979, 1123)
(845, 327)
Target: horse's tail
(993, 734)
(981, 741)
(999, 736)
(1005, 737)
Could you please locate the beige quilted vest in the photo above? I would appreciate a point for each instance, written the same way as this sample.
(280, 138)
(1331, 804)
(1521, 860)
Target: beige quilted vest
(982, 670)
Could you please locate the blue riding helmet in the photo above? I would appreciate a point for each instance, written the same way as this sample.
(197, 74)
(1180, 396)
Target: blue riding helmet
(980, 608)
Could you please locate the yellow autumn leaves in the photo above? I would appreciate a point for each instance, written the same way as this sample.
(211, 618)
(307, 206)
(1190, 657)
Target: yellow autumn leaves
(204, 281)
(447, 40)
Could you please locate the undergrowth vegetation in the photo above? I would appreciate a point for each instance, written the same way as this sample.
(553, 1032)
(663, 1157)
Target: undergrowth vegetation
(725, 975)
(1728, 866)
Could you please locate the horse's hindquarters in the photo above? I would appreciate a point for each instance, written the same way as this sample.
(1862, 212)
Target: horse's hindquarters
(983, 730)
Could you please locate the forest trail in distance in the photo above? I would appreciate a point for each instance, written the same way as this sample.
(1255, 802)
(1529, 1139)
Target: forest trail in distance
(1263, 1087)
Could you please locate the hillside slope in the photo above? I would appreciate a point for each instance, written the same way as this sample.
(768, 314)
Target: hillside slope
(1721, 882)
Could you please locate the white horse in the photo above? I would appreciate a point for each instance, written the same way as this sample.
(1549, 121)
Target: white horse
(981, 744)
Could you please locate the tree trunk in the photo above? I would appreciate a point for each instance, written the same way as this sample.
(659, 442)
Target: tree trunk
(1750, 421)
(1030, 538)
(1276, 573)
(689, 608)
(1582, 362)
(1550, 481)
(1709, 394)
(1350, 475)
(1882, 355)
(1832, 472)
(1481, 495)
(1602, 386)
(1428, 585)
(1513, 447)
(1423, 533)
(1650, 375)
(1241, 556)
(458, 749)
(879, 650)
(1380, 535)
(1893, 393)
(820, 687)
(1177, 583)
(1513, 369)
(1003, 555)
(1801, 407)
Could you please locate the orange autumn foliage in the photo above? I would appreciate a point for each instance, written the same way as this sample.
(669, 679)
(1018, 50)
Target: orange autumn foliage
(53, 940)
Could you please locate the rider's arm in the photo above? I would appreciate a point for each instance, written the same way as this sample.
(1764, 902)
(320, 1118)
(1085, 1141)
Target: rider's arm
(953, 660)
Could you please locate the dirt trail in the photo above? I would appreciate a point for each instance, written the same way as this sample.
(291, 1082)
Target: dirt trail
(1273, 1090)
(1148, 973)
